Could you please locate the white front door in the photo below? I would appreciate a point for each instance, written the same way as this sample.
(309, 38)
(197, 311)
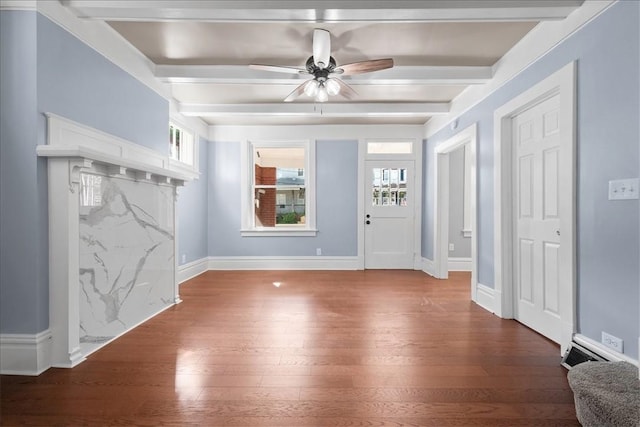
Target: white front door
(389, 214)
(537, 269)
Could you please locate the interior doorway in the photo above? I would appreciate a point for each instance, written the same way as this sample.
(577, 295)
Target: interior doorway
(465, 138)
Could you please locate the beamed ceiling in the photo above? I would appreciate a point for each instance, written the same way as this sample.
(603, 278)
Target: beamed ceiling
(203, 49)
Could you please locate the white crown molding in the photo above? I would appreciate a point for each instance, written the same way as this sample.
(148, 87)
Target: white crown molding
(107, 42)
(283, 263)
(25, 354)
(538, 42)
(325, 11)
(18, 5)
(194, 124)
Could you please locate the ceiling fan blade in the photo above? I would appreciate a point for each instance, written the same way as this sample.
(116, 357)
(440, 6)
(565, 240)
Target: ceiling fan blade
(296, 92)
(279, 69)
(346, 91)
(321, 47)
(364, 66)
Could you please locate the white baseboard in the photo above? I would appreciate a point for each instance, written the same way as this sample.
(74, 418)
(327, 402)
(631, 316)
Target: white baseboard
(428, 267)
(459, 264)
(283, 263)
(485, 297)
(25, 354)
(191, 269)
(603, 351)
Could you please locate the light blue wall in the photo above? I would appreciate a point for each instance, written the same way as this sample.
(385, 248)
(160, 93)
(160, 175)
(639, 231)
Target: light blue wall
(76, 82)
(608, 141)
(462, 245)
(336, 203)
(22, 300)
(45, 69)
(192, 212)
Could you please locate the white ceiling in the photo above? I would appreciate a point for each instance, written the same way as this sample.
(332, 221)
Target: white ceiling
(203, 49)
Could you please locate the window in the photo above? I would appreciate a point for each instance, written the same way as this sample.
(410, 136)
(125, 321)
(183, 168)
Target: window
(389, 187)
(396, 147)
(279, 190)
(182, 144)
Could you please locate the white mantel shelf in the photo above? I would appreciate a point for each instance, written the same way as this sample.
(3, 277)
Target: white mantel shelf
(71, 140)
(140, 169)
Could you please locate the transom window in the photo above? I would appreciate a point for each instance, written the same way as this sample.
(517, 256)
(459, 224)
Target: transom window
(280, 189)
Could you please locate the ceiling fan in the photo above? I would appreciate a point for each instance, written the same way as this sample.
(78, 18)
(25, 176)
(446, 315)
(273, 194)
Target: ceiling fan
(324, 70)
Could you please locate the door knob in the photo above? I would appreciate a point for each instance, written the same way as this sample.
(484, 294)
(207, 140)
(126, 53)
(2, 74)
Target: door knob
(368, 216)
(367, 222)
(558, 232)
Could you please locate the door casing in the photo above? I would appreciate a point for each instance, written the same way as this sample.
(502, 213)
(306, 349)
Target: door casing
(416, 156)
(561, 83)
(441, 207)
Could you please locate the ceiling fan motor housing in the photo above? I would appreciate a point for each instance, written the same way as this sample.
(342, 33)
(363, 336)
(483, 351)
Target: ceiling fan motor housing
(320, 74)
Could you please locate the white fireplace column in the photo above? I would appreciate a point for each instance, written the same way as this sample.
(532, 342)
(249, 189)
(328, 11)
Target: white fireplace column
(64, 315)
(73, 149)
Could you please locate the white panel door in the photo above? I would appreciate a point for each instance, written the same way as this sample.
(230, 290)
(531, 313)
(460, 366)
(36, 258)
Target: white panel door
(537, 218)
(389, 214)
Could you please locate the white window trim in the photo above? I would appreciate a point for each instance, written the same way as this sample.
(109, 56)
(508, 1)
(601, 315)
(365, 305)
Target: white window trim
(466, 200)
(247, 226)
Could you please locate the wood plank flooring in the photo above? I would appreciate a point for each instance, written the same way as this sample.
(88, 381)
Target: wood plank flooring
(354, 348)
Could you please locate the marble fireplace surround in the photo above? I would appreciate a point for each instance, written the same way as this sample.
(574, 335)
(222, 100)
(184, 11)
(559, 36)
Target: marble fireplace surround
(73, 150)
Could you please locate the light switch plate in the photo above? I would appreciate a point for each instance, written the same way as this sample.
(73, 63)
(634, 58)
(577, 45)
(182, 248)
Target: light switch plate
(623, 189)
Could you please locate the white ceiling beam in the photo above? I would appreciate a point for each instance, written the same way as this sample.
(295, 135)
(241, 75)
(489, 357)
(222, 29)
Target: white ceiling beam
(405, 109)
(398, 75)
(326, 10)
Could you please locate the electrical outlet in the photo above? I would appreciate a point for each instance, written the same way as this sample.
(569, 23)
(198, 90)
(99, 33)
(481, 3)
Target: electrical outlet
(452, 247)
(612, 342)
(318, 251)
(184, 258)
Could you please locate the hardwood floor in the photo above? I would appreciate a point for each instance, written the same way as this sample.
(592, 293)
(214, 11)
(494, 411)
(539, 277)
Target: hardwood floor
(354, 348)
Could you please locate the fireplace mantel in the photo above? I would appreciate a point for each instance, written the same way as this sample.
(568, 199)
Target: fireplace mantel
(72, 149)
(70, 140)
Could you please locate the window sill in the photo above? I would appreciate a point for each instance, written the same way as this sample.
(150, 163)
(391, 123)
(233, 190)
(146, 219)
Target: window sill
(280, 231)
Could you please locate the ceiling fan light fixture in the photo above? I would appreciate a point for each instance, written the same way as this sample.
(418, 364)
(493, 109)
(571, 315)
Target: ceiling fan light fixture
(321, 66)
(322, 95)
(311, 88)
(333, 88)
